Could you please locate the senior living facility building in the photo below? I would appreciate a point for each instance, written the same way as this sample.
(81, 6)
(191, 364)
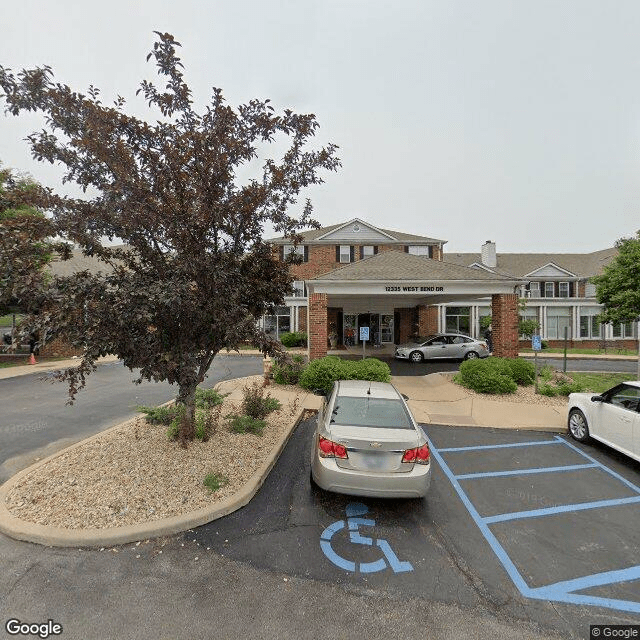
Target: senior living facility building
(399, 284)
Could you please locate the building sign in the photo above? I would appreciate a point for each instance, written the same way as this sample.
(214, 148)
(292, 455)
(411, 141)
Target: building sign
(414, 289)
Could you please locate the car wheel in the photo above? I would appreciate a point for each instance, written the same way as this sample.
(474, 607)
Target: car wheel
(416, 356)
(470, 355)
(578, 427)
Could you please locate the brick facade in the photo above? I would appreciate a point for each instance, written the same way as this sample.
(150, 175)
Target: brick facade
(408, 323)
(318, 335)
(504, 325)
(302, 319)
(59, 348)
(427, 320)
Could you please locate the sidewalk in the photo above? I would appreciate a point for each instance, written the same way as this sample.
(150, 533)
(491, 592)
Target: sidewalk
(44, 367)
(433, 399)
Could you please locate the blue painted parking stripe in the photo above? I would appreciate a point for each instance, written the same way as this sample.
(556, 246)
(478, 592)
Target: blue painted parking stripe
(497, 548)
(595, 580)
(558, 592)
(565, 508)
(519, 472)
(502, 446)
(609, 471)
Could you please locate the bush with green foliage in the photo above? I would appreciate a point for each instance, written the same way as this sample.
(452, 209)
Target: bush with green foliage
(565, 388)
(547, 390)
(159, 415)
(256, 404)
(294, 339)
(245, 424)
(289, 371)
(209, 398)
(322, 373)
(489, 375)
(523, 372)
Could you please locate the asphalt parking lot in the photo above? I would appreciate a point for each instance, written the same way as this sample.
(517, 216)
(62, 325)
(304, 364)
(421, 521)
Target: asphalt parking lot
(525, 524)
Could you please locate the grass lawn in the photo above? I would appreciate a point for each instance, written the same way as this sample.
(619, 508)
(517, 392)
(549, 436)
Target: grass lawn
(593, 352)
(599, 382)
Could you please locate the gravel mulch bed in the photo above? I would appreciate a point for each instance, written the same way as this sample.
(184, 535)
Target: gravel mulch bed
(524, 395)
(135, 474)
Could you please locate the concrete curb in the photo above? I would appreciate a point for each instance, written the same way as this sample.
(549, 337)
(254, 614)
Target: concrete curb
(59, 537)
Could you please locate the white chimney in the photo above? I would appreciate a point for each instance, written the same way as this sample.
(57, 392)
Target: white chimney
(488, 252)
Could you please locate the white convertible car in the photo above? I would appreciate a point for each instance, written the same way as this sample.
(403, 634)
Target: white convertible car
(612, 417)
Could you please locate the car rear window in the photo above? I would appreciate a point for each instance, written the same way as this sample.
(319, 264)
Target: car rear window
(371, 412)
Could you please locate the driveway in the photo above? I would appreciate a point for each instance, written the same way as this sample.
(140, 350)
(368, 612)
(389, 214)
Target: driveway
(36, 421)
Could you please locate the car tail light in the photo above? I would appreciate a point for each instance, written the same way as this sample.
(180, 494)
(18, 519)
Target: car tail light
(329, 449)
(420, 455)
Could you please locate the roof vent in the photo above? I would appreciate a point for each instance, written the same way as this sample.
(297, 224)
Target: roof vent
(356, 227)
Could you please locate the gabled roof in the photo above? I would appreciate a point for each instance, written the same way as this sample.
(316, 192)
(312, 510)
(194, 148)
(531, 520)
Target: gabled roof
(396, 266)
(551, 270)
(315, 236)
(583, 265)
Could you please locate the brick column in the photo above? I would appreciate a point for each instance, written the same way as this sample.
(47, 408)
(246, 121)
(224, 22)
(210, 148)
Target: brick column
(504, 325)
(427, 320)
(317, 325)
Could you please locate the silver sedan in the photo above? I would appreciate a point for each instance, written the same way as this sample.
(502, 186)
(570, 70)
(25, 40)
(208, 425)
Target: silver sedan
(367, 443)
(443, 345)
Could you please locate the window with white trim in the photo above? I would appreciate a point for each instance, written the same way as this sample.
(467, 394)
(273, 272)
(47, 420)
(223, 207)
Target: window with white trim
(558, 318)
(345, 253)
(298, 289)
(590, 290)
(563, 289)
(549, 290)
(623, 330)
(299, 250)
(368, 250)
(590, 327)
(534, 287)
(419, 250)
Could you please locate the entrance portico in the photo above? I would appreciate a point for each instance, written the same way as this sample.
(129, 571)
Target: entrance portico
(397, 293)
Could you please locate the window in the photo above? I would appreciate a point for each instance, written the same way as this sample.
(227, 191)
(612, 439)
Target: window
(557, 320)
(589, 325)
(278, 323)
(298, 289)
(301, 250)
(419, 250)
(367, 251)
(457, 320)
(623, 330)
(529, 313)
(534, 287)
(344, 253)
(563, 289)
(549, 290)
(590, 290)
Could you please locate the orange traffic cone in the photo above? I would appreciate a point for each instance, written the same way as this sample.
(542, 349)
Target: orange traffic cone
(32, 359)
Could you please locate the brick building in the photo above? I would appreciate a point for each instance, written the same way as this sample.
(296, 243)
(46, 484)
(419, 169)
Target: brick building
(355, 274)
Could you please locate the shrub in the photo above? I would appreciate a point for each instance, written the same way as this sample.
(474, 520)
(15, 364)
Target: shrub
(565, 388)
(544, 344)
(246, 424)
(255, 404)
(209, 398)
(547, 390)
(322, 373)
(522, 371)
(214, 481)
(491, 375)
(288, 372)
(159, 415)
(546, 373)
(294, 339)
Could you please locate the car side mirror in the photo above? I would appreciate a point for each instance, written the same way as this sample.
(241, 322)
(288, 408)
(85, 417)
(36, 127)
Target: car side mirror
(597, 398)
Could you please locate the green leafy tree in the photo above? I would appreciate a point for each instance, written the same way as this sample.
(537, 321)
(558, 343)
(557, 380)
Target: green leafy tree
(194, 273)
(618, 287)
(24, 241)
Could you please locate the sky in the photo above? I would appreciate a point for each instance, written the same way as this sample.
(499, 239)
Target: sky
(466, 121)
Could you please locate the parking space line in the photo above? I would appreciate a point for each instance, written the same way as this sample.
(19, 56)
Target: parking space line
(556, 440)
(560, 591)
(520, 472)
(550, 511)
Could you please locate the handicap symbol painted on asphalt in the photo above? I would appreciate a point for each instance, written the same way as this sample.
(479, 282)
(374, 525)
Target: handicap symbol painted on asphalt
(355, 509)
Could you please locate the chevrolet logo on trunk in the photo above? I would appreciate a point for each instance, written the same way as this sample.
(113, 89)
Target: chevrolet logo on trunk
(375, 445)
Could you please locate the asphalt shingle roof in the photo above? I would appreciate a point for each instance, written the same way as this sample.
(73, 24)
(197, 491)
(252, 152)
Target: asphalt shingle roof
(397, 265)
(583, 265)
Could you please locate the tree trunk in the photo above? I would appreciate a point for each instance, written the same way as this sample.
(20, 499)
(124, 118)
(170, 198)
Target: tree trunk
(187, 397)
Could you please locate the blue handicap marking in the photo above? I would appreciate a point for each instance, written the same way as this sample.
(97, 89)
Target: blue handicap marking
(354, 522)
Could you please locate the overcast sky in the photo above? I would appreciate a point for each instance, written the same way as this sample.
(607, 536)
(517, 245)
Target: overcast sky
(515, 121)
